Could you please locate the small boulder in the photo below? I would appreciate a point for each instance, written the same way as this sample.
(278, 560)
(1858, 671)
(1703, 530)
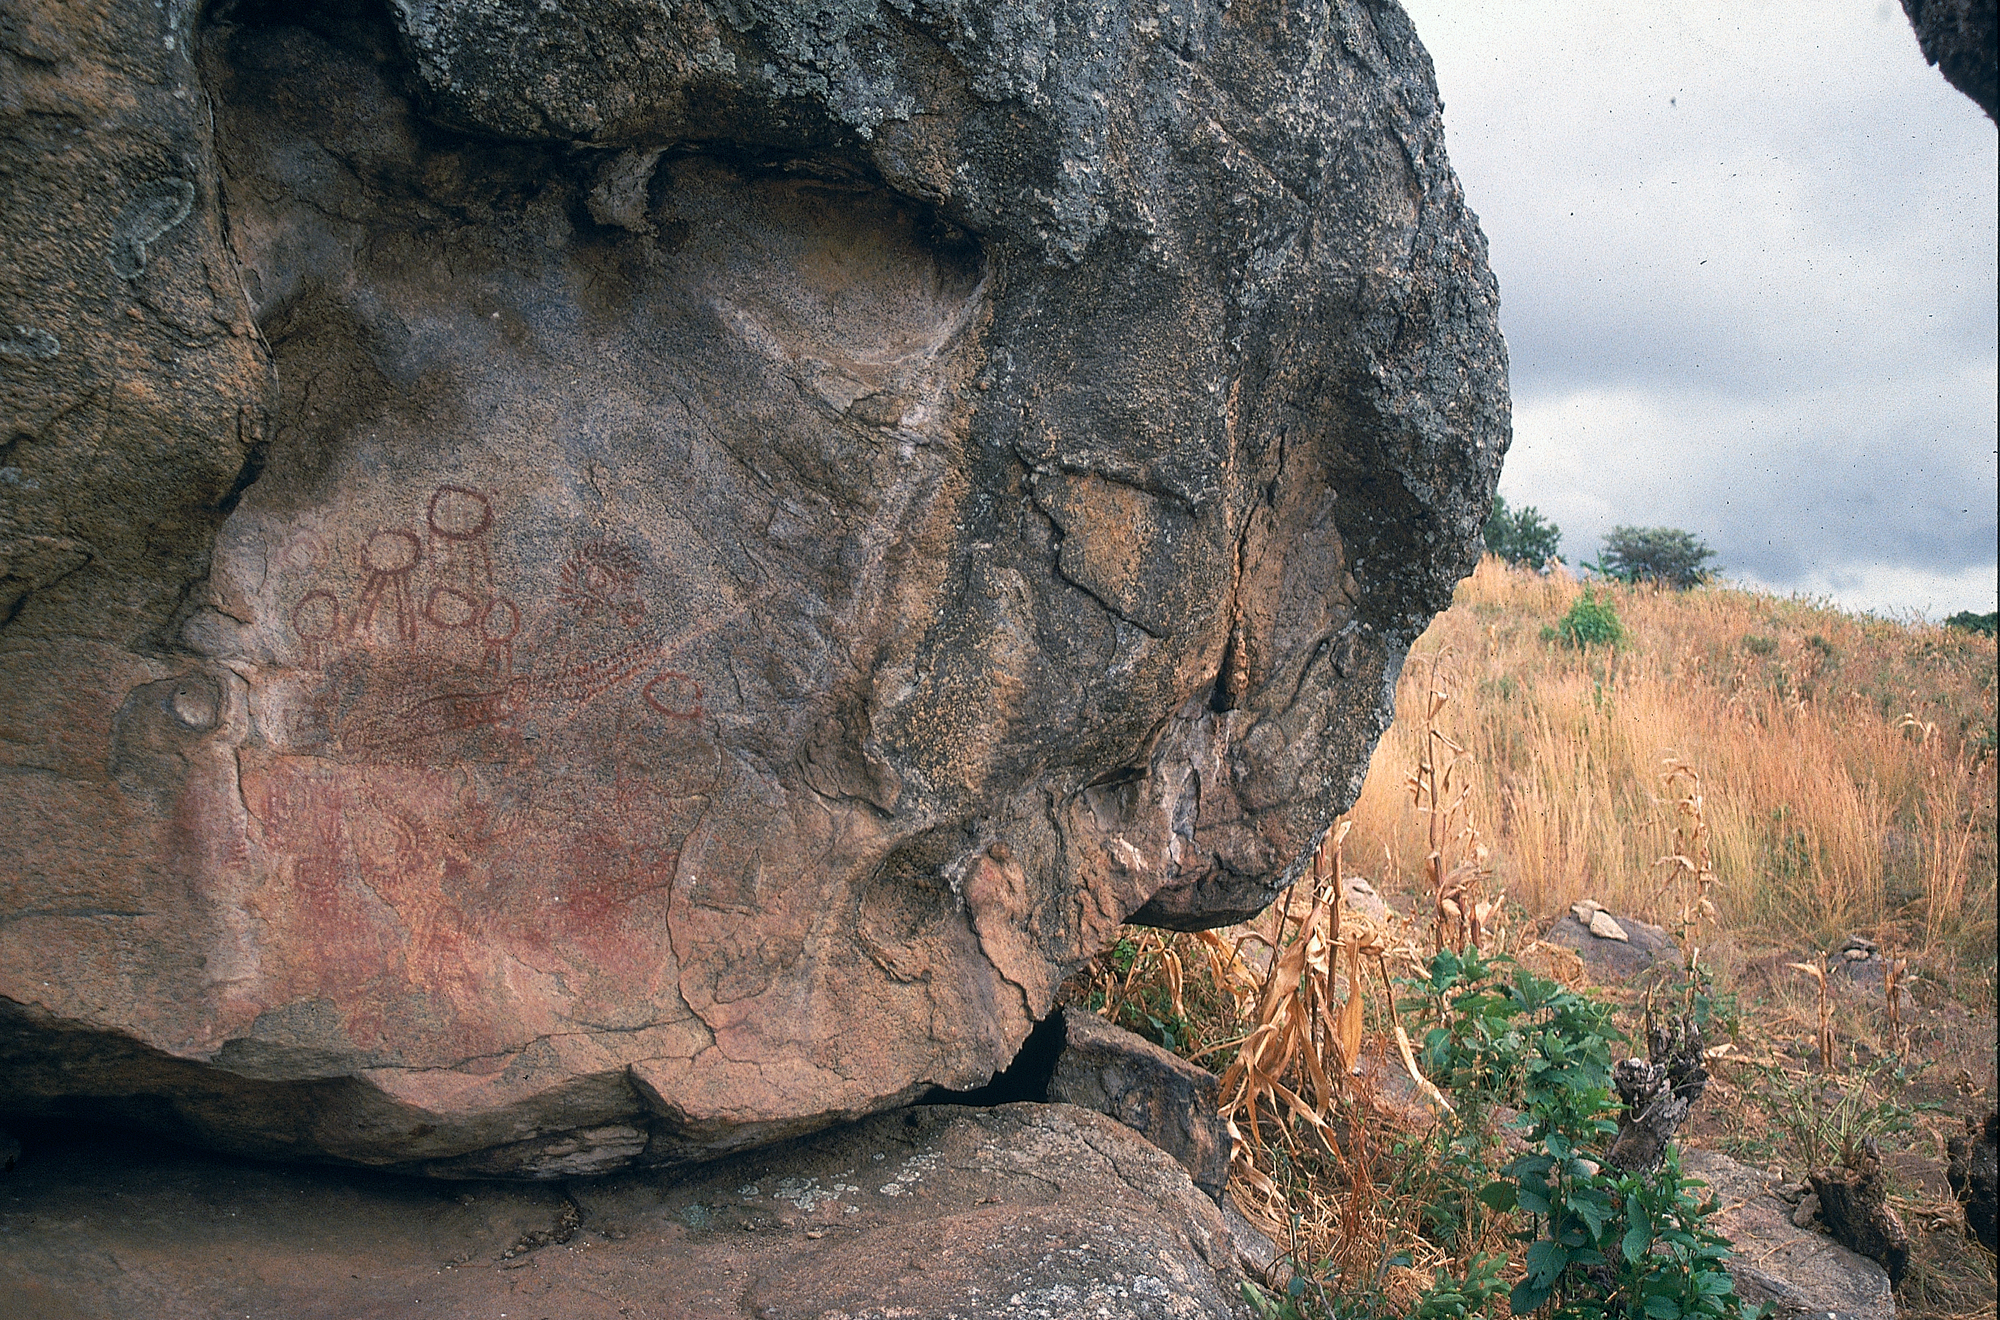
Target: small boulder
(1610, 958)
(1605, 927)
(1860, 970)
(1363, 899)
(1854, 1202)
(1164, 1098)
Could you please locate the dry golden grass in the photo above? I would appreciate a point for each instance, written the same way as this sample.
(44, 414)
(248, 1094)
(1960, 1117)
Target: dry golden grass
(1846, 764)
(1750, 773)
(1281, 1006)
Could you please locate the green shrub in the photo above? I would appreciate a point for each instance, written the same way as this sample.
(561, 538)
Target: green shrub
(1665, 555)
(1967, 621)
(1522, 536)
(1597, 1243)
(1601, 1242)
(1590, 622)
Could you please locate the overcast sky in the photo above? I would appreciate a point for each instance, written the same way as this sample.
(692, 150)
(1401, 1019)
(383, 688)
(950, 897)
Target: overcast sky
(1747, 269)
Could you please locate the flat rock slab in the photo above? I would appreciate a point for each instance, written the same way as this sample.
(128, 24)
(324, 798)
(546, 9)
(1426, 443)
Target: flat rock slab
(1172, 1103)
(1801, 1271)
(1021, 1211)
(1643, 947)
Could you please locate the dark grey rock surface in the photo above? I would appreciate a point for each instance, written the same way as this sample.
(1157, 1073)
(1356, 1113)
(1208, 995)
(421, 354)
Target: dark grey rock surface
(599, 583)
(1962, 39)
(1973, 1171)
(1021, 1211)
(1170, 1102)
(1644, 946)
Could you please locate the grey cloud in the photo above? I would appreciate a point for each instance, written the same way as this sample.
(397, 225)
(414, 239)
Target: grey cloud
(1779, 499)
(1747, 259)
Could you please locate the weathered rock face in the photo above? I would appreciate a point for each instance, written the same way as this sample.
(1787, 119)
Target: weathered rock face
(597, 584)
(1172, 1103)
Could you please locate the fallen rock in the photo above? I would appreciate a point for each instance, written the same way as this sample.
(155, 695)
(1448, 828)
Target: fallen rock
(1798, 1271)
(1020, 1211)
(602, 584)
(1362, 899)
(1605, 927)
(1643, 946)
(1973, 1170)
(1172, 1103)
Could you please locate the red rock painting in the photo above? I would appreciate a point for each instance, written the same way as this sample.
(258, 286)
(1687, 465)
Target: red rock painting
(467, 811)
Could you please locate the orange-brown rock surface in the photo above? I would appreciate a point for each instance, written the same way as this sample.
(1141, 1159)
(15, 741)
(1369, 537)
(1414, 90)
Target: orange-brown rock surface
(598, 584)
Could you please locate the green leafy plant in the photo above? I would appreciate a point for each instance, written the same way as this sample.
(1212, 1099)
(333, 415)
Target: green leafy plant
(1665, 555)
(1590, 622)
(1495, 1039)
(1598, 1242)
(1449, 1296)
(1522, 536)
(1635, 1244)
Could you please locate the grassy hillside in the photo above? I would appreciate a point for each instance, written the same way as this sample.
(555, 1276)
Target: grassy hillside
(1846, 765)
(1821, 774)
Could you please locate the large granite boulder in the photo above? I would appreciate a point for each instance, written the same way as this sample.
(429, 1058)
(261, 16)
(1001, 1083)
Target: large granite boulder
(610, 582)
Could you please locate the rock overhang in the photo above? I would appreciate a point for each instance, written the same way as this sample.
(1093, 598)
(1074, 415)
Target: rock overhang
(760, 557)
